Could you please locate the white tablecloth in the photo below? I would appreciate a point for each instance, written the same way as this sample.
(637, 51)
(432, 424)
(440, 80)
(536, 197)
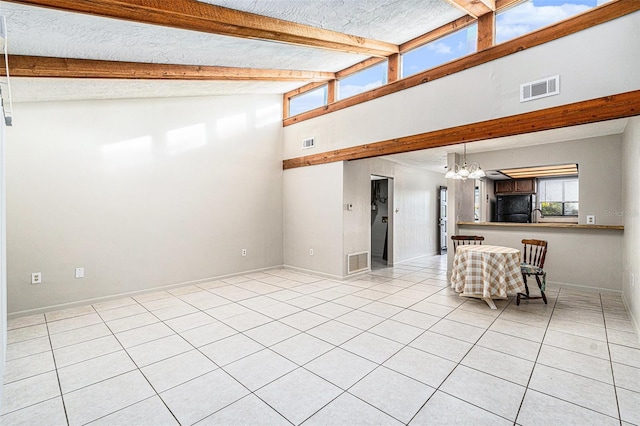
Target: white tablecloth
(487, 271)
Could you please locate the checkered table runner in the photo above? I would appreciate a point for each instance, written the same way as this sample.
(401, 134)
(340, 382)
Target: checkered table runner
(487, 271)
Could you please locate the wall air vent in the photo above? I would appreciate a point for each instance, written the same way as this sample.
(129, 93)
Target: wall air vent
(308, 143)
(357, 262)
(540, 88)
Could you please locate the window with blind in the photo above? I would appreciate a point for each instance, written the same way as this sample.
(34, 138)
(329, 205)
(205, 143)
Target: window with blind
(558, 197)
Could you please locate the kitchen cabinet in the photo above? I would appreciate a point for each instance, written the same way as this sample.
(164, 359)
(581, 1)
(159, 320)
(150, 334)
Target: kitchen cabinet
(504, 186)
(524, 186)
(515, 186)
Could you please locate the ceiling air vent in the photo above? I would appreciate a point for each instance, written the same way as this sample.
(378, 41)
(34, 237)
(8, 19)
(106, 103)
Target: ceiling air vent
(308, 143)
(540, 88)
(357, 262)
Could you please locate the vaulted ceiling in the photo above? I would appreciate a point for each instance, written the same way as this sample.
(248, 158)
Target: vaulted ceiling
(116, 49)
(306, 36)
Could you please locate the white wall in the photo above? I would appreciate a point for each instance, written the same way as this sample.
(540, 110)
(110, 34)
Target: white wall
(631, 196)
(414, 195)
(316, 214)
(116, 187)
(581, 258)
(599, 162)
(3, 249)
(491, 90)
(141, 193)
(590, 259)
(313, 205)
(596, 62)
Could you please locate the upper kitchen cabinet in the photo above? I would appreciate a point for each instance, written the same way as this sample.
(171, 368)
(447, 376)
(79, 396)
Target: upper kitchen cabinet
(515, 186)
(525, 186)
(504, 186)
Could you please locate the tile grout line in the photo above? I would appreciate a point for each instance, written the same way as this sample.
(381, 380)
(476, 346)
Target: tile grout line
(55, 365)
(223, 369)
(343, 391)
(569, 372)
(139, 369)
(460, 363)
(535, 362)
(384, 318)
(106, 379)
(379, 365)
(395, 353)
(613, 377)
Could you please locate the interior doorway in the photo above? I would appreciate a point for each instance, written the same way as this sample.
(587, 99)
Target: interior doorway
(442, 220)
(381, 221)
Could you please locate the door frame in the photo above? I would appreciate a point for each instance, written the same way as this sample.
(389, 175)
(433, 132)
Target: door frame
(390, 220)
(441, 222)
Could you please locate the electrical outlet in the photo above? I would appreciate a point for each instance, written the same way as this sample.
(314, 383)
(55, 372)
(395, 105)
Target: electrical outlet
(244, 252)
(36, 278)
(591, 219)
(79, 272)
(310, 252)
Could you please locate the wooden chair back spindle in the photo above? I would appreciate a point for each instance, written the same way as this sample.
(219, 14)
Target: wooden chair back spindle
(533, 256)
(535, 252)
(466, 240)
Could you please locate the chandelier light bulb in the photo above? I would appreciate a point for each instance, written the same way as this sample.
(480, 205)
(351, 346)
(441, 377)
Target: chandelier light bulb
(466, 171)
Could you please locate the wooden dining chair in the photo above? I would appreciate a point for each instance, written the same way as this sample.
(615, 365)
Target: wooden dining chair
(466, 240)
(535, 252)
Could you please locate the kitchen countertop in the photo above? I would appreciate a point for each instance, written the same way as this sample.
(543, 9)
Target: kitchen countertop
(543, 225)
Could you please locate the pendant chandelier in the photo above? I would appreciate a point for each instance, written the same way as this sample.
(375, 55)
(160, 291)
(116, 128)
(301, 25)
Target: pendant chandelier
(466, 171)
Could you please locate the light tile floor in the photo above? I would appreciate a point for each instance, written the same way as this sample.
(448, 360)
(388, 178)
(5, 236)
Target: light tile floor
(396, 346)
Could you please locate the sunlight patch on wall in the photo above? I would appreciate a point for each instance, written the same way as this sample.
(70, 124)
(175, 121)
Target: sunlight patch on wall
(230, 126)
(186, 138)
(127, 153)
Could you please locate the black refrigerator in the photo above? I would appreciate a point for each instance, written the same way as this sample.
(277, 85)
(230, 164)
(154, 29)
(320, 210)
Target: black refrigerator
(514, 208)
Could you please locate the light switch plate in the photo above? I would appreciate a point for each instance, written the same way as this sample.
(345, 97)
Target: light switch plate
(591, 219)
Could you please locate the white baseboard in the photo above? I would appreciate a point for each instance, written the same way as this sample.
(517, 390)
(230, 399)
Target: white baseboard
(586, 288)
(316, 273)
(130, 293)
(415, 258)
(94, 300)
(634, 320)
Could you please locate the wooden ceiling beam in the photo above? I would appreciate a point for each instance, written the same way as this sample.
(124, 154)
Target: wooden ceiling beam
(39, 66)
(437, 33)
(358, 67)
(505, 4)
(591, 111)
(476, 8)
(603, 13)
(203, 17)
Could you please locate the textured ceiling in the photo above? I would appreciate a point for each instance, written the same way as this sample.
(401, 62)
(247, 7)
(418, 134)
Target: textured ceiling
(44, 32)
(393, 21)
(62, 89)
